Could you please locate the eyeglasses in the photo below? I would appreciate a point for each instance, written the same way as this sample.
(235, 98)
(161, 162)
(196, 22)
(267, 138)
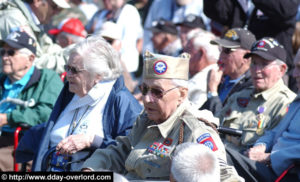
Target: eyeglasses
(9, 52)
(73, 70)
(110, 41)
(228, 50)
(155, 92)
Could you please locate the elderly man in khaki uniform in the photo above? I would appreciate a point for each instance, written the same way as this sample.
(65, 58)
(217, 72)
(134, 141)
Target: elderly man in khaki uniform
(262, 106)
(168, 120)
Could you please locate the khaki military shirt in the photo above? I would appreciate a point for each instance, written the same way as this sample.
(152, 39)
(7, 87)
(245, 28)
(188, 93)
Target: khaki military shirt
(146, 153)
(255, 112)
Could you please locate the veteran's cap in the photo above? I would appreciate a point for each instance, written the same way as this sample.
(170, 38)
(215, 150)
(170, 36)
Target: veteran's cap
(269, 49)
(163, 25)
(20, 40)
(192, 21)
(236, 38)
(159, 66)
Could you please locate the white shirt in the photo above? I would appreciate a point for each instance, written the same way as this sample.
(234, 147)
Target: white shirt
(130, 23)
(89, 118)
(197, 86)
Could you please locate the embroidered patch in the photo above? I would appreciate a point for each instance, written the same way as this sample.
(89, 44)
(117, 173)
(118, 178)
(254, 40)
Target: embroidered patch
(207, 140)
(159, 149)
(168, 141)
(242, 101)
(160, 67)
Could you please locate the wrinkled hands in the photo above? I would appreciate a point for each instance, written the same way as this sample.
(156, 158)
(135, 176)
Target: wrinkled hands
(215, 78)
(257, 153)
(74, 143)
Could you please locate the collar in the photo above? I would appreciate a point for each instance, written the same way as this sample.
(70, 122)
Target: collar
(22, 82)
(297, 97)
(269, 92)
(166, 127)
(235, 80)
(34, 17)
(94, 95)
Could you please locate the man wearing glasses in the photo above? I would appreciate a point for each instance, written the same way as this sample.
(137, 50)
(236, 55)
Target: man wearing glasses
(233, 74)
(30, 16)
(259, 108)
(27, 94)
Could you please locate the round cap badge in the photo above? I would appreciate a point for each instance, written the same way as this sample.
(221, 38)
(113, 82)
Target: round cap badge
(160, 67)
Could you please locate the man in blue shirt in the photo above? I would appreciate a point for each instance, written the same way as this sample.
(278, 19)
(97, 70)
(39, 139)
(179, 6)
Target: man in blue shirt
(233, 74)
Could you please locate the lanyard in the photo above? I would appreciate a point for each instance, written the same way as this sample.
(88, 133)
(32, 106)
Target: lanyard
(74, 123)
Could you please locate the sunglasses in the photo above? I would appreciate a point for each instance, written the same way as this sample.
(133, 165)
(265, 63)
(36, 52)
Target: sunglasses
(73, 70)
(155, 92)
(228, 50)
(9, 52)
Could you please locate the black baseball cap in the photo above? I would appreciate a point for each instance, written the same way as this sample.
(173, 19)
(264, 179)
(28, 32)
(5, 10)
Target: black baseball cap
(163, 25)
(20, 40)
(269, 49)
(236, 38)
(192, 21)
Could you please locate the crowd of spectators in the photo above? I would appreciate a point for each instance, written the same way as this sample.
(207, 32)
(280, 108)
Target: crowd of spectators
(141, 87)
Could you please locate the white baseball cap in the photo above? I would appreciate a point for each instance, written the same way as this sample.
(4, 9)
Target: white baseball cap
(111, 30)
(62, 3)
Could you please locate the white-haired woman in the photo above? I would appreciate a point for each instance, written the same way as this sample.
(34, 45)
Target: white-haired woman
(168, 119)
(93, 108)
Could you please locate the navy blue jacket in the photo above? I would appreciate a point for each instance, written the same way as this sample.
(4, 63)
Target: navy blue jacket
(119, 115)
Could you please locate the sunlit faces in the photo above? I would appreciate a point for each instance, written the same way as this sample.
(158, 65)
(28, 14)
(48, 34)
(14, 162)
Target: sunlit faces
(81, 81)
(16, 64)
(265, 74)
(160, 109)
(231, 61)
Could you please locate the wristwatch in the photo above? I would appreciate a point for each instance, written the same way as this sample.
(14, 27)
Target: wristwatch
(212, 94)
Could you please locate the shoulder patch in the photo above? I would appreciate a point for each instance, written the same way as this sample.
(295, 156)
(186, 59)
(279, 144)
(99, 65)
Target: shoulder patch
(207, 140)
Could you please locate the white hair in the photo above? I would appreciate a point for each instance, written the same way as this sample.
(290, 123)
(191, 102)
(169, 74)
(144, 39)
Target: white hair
(26, 51)
(201, 39)
(195, 163)
(99, 57)
(180, 82)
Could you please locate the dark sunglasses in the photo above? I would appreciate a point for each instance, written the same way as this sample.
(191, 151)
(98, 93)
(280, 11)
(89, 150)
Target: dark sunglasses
(228, 50)
(73, 70)
(155, 92)
(9, 52)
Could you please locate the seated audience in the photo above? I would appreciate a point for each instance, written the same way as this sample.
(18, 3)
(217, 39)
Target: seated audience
(259, 108)
(168, 120)
(27, 93)
(277, 149)
(93, 109)
(31, 16)
(233, 74)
